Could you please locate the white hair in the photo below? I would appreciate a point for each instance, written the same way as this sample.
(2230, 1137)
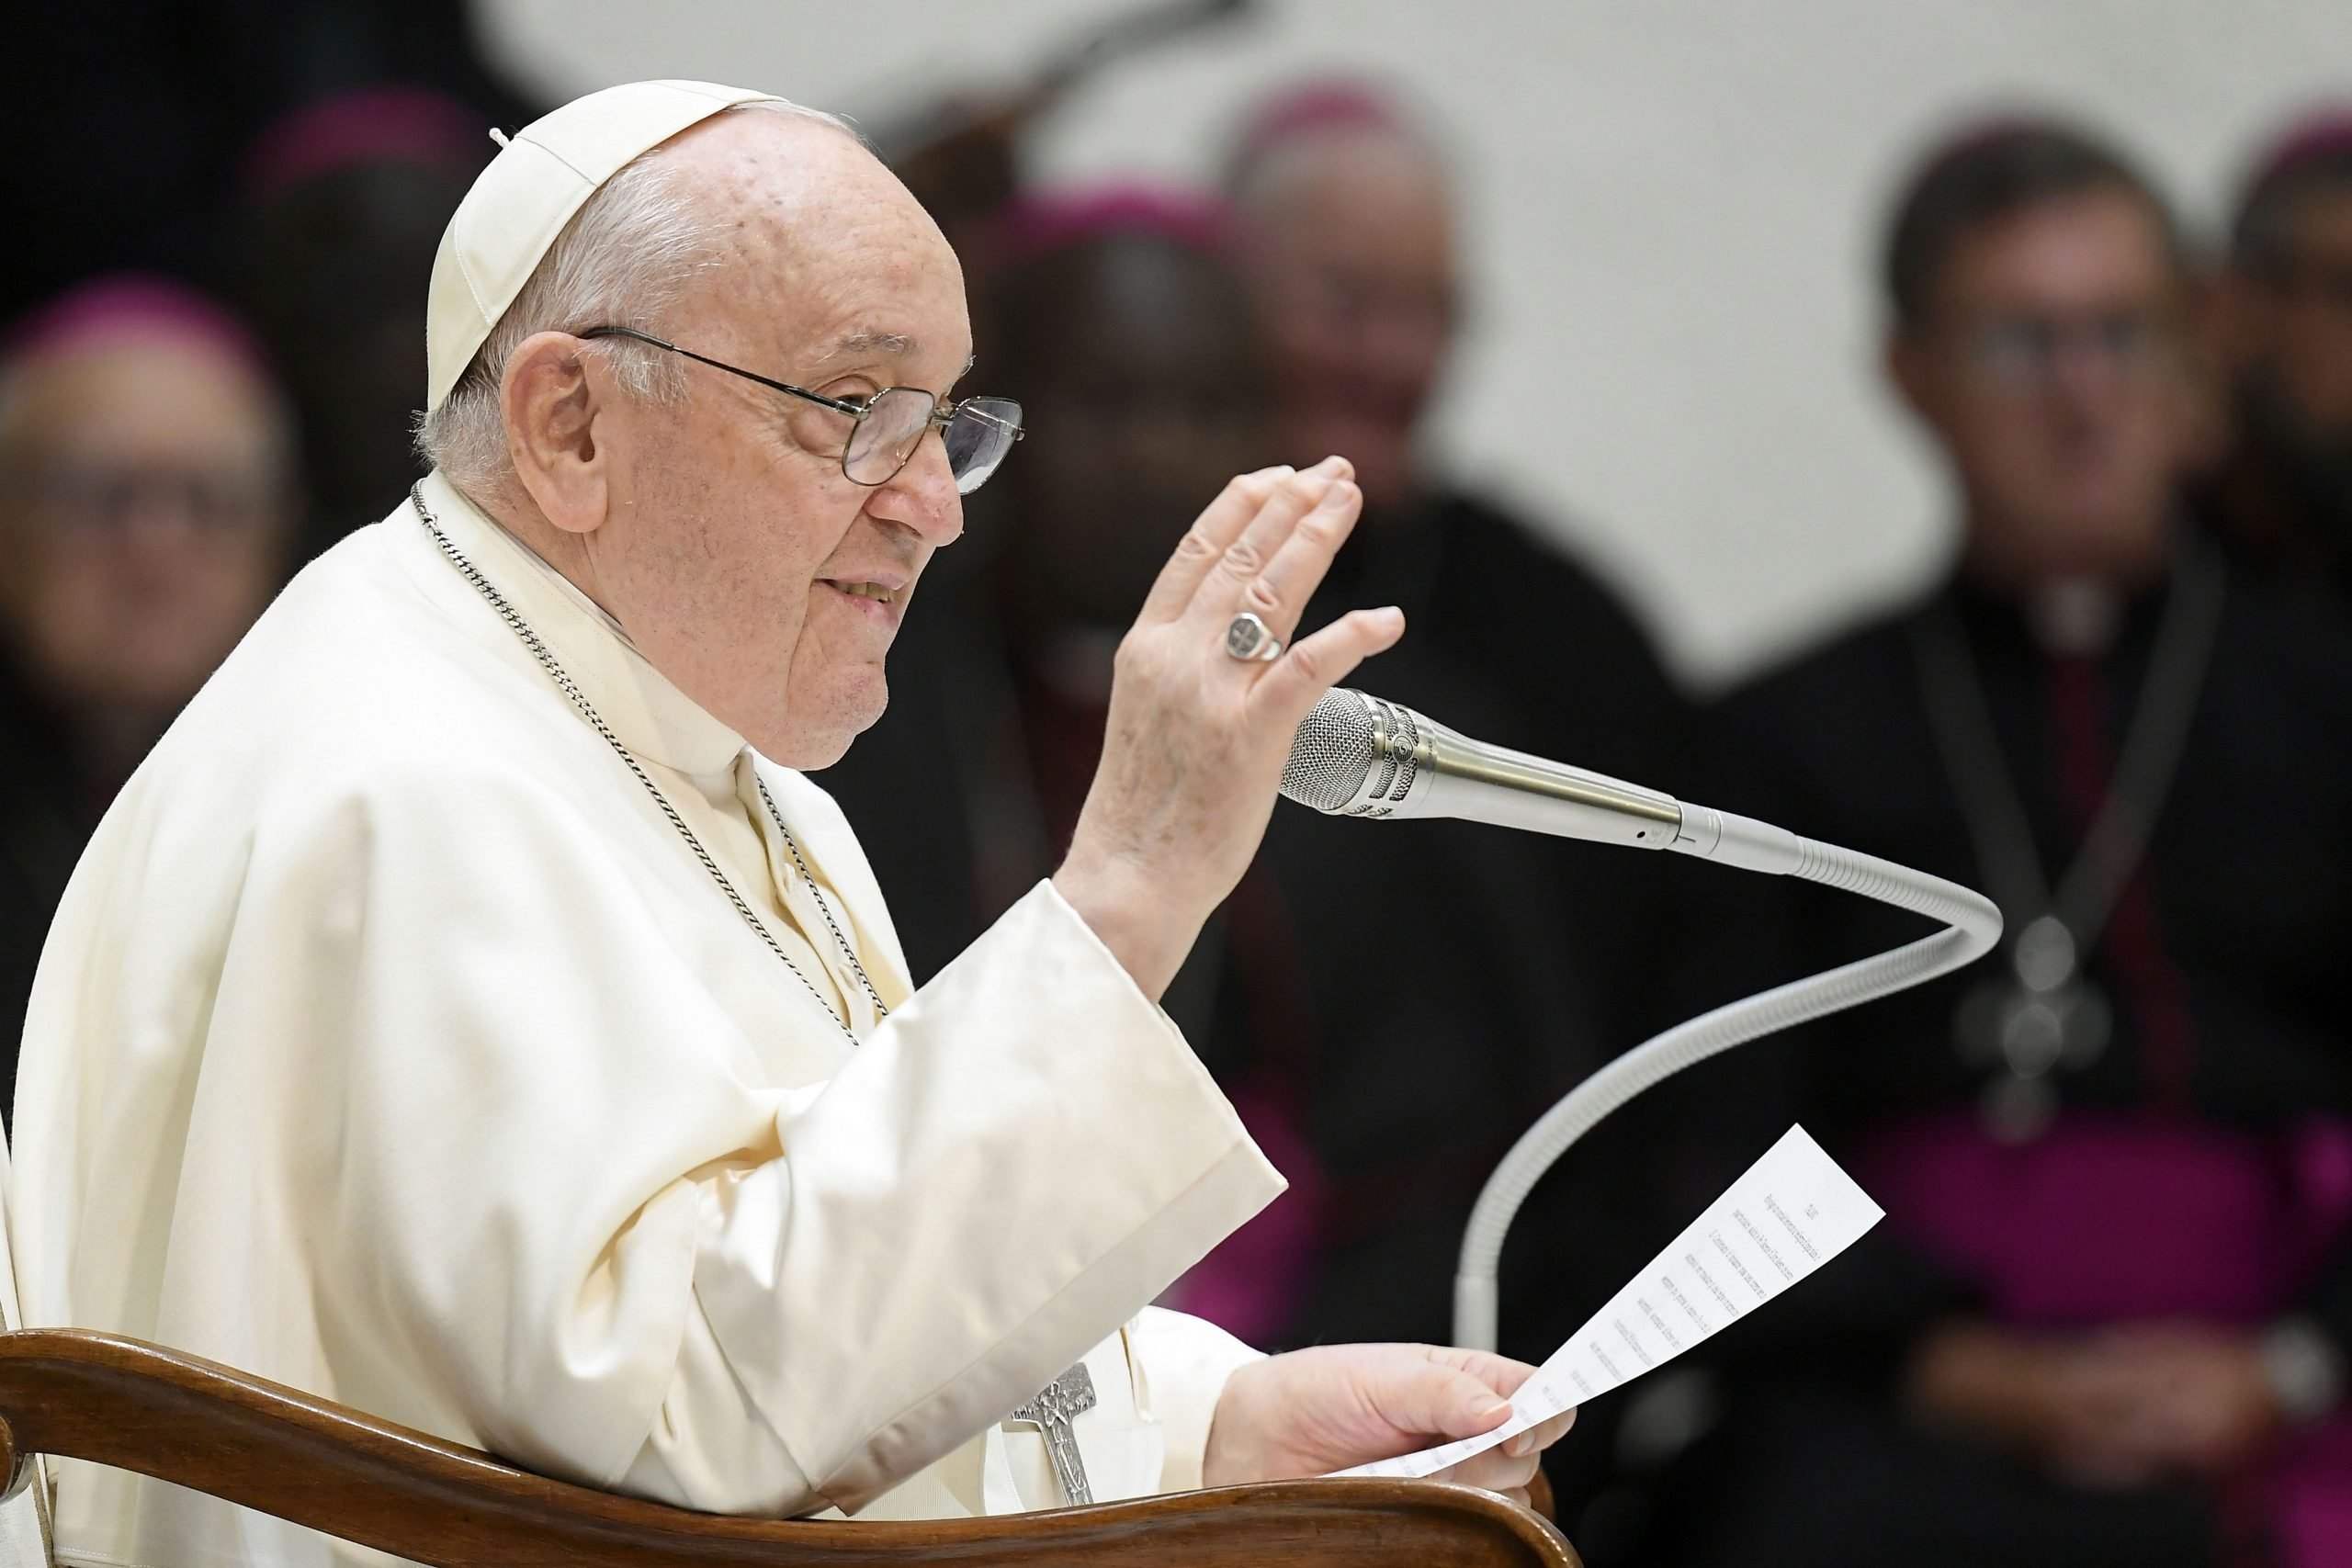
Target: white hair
(621, 261)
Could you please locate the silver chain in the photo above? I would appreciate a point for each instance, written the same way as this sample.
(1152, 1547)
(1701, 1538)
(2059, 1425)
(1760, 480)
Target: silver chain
(546, 661)
(1960, 718)
(819, 894)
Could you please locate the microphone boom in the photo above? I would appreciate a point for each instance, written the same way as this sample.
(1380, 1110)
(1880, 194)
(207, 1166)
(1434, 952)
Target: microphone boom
(1359, 756)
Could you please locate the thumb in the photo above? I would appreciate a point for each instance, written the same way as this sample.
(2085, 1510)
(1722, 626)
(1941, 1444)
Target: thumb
(1427, 1398)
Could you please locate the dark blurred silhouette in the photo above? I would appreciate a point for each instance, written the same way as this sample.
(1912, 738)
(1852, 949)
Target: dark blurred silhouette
(297, 158)
(2282, 320)
(145, 109)
(344, 203)
(146, 496)
(2105, 1319)
(960, 153)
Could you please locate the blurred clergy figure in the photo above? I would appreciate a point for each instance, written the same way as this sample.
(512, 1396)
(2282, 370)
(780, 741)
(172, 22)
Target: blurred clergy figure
(2106, 1319)
(2280, 314)
(147, 494)
(470, 1013)
(1347, 231)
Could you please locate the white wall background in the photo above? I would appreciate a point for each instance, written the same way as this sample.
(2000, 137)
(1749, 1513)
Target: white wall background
(1671, 207)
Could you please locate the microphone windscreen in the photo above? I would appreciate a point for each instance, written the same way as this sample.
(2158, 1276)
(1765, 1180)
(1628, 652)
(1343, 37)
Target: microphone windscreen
(1332, 755)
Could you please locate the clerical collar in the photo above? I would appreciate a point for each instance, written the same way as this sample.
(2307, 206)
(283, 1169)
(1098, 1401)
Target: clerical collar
(564, 585)
(2073, 616)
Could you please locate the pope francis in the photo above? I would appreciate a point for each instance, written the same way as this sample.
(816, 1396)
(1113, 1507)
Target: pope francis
(471, 1014)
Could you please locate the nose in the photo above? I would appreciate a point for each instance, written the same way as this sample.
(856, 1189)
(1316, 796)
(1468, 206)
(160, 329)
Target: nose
(922, 496)
(2083, 369)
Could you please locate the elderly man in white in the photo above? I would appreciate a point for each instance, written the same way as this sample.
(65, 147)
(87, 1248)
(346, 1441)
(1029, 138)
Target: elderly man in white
(469, 1013)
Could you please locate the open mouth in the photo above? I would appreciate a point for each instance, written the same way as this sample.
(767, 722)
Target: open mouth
(878, 601)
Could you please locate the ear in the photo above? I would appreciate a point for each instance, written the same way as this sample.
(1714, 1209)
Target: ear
(551, 406)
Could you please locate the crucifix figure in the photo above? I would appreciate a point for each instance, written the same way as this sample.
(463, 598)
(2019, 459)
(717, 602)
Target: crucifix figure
(1057, 1404)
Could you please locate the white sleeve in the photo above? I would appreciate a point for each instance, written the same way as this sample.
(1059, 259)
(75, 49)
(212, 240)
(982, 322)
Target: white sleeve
(600, 1230)
(1019, 1155)
(1185, 1362)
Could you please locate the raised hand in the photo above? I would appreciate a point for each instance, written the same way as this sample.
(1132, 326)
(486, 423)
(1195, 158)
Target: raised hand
(1196, 738)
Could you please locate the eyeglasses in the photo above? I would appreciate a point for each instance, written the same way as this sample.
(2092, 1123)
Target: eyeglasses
(92, 499)
(887, 427)
(2024, 350)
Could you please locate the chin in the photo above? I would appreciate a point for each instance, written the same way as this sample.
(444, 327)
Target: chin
(815, 758)
(819, 742)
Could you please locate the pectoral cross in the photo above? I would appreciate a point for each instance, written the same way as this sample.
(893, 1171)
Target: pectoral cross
(1057, 1404)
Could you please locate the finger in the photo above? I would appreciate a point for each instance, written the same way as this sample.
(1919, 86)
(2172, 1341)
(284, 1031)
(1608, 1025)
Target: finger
(1494, 1470)
(1219, 597)
(1279, 593)
(1218, 526)
(1536, 1438)
(1428, 1398)
(1498, 1372)
(1313, 665)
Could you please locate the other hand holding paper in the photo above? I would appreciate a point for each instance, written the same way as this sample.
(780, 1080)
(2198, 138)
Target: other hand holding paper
(1316, 1411)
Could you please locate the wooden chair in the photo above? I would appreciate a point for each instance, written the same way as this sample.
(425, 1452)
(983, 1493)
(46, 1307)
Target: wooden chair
(132, 1406)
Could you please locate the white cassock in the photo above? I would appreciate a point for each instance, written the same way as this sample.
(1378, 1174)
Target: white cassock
(391, 1043)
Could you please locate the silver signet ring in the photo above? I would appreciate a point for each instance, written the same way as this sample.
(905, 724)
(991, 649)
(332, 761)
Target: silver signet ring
(1249, 640)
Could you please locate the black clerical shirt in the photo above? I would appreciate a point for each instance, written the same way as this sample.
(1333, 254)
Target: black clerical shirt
(2246, 887)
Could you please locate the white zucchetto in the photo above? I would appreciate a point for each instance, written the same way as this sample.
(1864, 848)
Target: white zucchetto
(519, 204)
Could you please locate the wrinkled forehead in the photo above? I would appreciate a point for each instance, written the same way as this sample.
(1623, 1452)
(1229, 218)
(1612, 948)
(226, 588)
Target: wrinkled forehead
(822, 256)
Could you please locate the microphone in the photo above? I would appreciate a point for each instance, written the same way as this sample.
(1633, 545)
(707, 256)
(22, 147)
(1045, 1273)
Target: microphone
(1358, 755)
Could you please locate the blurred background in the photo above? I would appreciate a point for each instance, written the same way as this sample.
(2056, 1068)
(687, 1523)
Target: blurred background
(1670, 217)
(1926, 426)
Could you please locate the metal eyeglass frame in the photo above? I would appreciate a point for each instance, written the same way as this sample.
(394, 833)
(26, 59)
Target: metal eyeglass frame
(943, 413)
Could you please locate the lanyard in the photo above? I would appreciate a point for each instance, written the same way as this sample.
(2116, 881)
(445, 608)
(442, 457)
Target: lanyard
(2043, 1017)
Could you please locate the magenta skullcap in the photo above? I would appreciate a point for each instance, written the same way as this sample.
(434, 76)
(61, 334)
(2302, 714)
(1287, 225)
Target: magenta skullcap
(129, 306)
(1037, 226)
(400, 124)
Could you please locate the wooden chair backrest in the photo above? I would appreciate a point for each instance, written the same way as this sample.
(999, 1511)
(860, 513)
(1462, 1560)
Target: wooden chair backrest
(24, 1507)
(188, 1421)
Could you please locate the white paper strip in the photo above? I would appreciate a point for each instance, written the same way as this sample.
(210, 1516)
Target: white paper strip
(1791, 1212)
